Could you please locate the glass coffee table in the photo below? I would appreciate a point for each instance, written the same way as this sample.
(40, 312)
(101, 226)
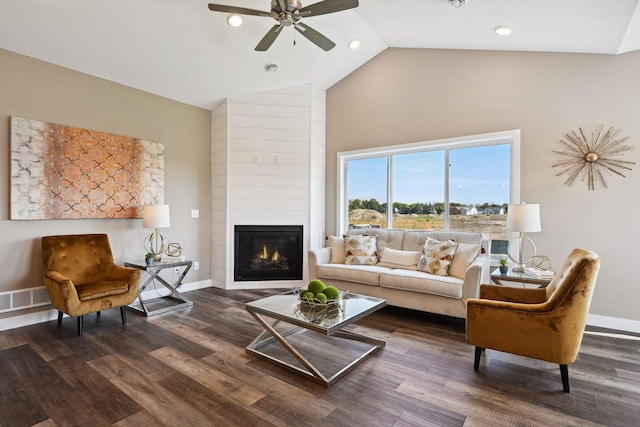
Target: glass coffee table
(309, 339)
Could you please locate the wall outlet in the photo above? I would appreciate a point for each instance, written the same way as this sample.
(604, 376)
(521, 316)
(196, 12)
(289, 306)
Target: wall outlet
(176, 271)
(195, 213)
(196, 265)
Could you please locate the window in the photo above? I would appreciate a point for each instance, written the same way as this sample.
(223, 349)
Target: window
(457, 184)
(367, 183)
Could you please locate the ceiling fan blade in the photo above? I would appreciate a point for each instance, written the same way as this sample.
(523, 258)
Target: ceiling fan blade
(328, 6)
(284, 4)
(315, 37)
(269, 38)
(237, 10)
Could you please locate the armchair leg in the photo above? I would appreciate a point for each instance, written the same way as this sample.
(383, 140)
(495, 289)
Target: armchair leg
(97, 314)
(476, 360)
(564, 373)
(80, 324)
(123, 314)
(59, 318)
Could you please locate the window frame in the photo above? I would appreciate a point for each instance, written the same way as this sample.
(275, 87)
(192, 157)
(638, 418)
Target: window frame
(511, 137)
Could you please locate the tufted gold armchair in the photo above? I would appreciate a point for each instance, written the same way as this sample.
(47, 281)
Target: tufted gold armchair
(81, 277)
(543, 323)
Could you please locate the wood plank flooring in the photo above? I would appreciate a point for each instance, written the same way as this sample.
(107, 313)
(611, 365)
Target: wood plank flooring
(189, 368)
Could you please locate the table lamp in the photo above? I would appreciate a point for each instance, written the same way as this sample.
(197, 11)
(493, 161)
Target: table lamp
(523, 218)
(155, 216)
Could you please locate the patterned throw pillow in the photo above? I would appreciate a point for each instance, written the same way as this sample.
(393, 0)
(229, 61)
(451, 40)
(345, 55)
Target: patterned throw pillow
(360, 250)
(436, 256)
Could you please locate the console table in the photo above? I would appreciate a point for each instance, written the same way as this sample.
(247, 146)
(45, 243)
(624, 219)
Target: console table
(178, 300)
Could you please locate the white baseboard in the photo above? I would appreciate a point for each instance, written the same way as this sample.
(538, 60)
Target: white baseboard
(616, 323)
(52, 314)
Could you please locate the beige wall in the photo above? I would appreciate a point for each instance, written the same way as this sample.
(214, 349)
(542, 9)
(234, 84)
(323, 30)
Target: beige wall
(38, 90)
(411, 95)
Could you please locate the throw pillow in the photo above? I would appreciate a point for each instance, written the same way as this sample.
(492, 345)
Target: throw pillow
(394, 258)
(465, 254)
(337, 250)
(436, 256)
(360, 250)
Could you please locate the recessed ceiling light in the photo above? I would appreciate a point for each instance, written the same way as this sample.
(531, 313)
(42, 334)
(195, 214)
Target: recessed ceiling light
(457, 3)
(271, 68)
(503, 30)
(354, 44)
(234, 20)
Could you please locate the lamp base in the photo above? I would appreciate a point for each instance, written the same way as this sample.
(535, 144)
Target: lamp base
(518, 269)
(154, 243)
(520, 262)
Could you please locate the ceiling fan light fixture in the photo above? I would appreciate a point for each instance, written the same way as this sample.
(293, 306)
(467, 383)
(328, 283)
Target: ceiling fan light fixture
(234, 20)
(354, 44)
(457, 3)
(503, 30)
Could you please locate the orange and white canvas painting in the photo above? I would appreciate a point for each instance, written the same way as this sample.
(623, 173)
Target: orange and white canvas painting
(63, 172)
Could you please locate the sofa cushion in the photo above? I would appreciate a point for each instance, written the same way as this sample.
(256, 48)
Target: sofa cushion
(338, 255)
(360, 250)
(394, 258)
(100, 289)
(367, 274)
(419, 281)
(465, 254)
(457, 236)
(414, 240)
(437, 256)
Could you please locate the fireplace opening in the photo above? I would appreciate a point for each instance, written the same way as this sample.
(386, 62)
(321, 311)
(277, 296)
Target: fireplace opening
(267, 252)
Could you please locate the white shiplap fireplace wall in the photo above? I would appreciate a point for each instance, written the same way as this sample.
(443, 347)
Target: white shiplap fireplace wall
(268, 168)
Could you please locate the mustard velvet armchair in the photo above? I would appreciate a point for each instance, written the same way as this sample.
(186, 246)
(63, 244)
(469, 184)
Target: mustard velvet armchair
(542, 323)
(81, 277)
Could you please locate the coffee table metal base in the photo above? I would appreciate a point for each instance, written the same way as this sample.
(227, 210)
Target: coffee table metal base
(312, 372)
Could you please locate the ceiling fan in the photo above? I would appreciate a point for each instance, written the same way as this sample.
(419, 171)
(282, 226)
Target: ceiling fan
(291, 12)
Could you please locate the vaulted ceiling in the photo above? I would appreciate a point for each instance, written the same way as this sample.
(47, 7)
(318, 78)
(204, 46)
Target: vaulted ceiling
(180, 50)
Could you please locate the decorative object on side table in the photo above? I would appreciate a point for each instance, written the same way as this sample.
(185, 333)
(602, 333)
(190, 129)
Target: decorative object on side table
(523, 218)
(155, 216)
(504, 268)
(149, 258)
(174, 252)
(589, 158)
(541, 262)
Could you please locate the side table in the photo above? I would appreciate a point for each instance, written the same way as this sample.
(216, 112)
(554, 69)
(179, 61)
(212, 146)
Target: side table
(512, 277)
(154, 274)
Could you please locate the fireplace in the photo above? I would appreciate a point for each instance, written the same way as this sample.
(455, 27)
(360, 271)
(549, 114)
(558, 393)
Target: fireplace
(267, 252)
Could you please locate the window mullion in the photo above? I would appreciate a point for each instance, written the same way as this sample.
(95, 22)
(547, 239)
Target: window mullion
(389, 193)
(447, 165)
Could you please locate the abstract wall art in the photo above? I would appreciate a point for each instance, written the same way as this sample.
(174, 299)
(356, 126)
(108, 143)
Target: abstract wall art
(63, 172)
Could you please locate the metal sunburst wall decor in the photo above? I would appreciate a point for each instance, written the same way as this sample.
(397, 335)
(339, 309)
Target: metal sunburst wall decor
(594, 157)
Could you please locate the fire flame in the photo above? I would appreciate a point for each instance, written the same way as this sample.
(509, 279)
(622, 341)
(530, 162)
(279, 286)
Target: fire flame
(265, 254)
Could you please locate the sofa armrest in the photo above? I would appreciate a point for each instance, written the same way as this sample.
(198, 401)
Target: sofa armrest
(316, 257)
(473, 277)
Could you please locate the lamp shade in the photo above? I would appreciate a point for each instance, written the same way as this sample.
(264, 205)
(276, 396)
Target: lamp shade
(524, 218)
(156, 216)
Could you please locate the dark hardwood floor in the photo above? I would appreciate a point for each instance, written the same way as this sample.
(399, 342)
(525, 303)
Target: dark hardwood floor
(189, 368)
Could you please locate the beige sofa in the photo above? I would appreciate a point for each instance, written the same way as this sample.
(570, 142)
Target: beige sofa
(406, 286)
